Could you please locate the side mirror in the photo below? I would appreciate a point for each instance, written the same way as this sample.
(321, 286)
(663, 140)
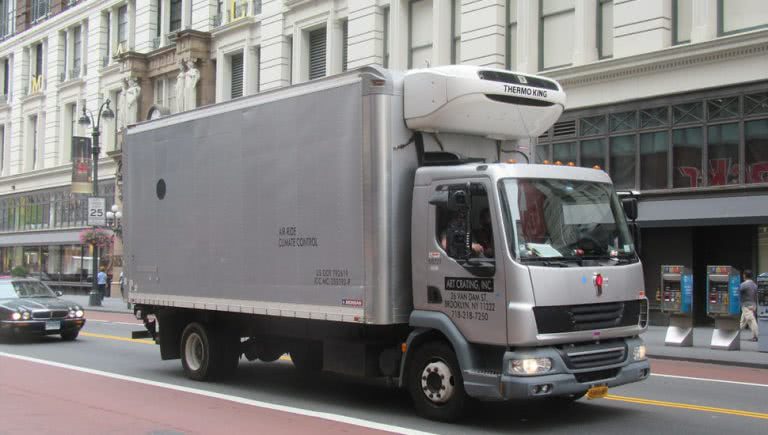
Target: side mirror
(630, 208)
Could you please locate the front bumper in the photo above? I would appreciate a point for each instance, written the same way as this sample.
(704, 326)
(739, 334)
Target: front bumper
(561, 381)
(38, 327)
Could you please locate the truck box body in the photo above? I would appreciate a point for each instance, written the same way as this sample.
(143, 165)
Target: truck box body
(290, 203)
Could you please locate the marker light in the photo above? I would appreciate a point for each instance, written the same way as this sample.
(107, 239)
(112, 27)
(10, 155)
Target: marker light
(546, 162)
(511, 161)
(596, 167)
(571, 164)
(558, 163)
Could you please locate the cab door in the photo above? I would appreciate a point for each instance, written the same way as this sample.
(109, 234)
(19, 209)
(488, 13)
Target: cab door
(468, 284)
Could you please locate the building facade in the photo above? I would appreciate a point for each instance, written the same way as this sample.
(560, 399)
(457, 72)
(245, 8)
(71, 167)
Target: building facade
(670, 97)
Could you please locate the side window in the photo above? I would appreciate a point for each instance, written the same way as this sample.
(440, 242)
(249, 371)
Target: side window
(463, 225)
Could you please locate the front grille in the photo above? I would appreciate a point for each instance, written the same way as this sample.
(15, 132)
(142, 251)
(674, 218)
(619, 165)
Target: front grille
(59, 314)
(594, 355)
(596, 375)
(571, 318)
(41, 314)
(517, 79)
(519, 100)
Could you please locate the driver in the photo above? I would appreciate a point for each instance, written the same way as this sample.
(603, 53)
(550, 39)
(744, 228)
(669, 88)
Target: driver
(456, 229)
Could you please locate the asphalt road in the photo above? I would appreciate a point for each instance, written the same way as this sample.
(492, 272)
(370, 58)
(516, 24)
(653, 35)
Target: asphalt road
(107, 383)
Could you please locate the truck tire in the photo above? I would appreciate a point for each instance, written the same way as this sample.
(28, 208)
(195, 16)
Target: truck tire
(435, 382)
(207, 354)
(308, 358)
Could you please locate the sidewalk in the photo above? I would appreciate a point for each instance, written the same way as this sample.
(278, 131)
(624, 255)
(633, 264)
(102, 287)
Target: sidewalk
(748, 356)
(110, 305)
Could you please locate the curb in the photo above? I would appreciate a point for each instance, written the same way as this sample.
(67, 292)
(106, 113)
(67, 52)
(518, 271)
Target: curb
(710, 361)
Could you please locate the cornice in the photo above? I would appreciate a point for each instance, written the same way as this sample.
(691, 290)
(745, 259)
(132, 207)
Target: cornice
(673, 58)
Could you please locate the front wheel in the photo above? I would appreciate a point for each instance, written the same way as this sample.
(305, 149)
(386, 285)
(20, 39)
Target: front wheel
(436, 384)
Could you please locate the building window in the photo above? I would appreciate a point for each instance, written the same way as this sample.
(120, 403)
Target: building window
(511, 39)
(723, 154)
(239, 9)
(159, 89)
(756, 151)
(77, 51)
(344, 45)
(256, 7)
(39, 67)
(622, 161)
(39, 9)
(33, 140)
(107, 41)
(317, 53)
(686, 157)
(593, 153)
(682, 14)
(7, 18)
(385, 14)
(605, 28)
(6, 65)
(556, 33)
(420, 31)
(564, 152)
(2, 149)
(654, 149)
(456, 32)
(122, 27)
(175, 15)
(236, 78)
(542, 153)
(741, 16)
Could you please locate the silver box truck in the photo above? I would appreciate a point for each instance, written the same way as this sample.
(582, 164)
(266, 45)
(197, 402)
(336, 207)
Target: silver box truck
(364, 224)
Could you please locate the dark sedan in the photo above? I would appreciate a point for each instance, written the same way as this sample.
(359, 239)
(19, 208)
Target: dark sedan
(29, 307)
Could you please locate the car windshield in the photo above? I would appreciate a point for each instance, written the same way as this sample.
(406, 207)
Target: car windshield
(562, 219)
(25, 289)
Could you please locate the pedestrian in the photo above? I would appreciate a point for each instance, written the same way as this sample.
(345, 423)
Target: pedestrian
(748, 293)
(101, 280)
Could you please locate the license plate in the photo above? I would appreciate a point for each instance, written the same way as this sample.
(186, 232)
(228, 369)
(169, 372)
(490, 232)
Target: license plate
(52, 325)
(597, 392)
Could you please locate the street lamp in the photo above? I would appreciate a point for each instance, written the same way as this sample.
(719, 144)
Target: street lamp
(114, 216)
(94, 299)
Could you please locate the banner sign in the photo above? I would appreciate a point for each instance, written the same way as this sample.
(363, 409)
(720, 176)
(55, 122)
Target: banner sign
(82, 165)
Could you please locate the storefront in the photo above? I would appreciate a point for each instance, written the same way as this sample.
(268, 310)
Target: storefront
(700, 163)
(40, 231)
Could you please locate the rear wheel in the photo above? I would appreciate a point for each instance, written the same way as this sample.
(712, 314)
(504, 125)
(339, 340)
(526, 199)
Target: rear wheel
(435, 382)
(207, 354)
(70, 335)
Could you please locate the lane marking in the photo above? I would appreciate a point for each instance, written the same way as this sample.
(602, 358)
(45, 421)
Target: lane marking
(689, 378)
(116, 323)
(257, 403)
(115, 337)
(676, 405)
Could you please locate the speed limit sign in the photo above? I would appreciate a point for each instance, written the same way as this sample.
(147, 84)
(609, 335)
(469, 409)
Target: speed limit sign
(97, 213)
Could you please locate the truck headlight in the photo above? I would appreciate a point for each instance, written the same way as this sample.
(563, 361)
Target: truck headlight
(16, 316)
(530, 366)
(638, 353)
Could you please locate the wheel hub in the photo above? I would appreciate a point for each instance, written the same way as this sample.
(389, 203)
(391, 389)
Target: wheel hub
(193, 351)
(437, 382)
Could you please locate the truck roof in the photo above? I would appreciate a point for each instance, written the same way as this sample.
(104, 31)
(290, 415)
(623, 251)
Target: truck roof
(495, 171)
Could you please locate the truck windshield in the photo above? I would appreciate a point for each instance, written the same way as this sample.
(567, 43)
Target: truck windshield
(560, 220)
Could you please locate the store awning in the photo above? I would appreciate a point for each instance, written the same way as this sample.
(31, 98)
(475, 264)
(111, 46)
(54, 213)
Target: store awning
(736, 209)
(68, 237)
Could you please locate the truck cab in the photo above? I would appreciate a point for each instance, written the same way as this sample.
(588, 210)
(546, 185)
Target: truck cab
(528, 271)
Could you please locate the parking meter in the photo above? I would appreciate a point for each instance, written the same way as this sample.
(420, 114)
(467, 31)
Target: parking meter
(677, 301)
(762, 312)
(724, 305)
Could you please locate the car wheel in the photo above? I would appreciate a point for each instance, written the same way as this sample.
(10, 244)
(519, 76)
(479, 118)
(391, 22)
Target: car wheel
(70, 335)
(435, 382)
(308, 357)
(207, 355)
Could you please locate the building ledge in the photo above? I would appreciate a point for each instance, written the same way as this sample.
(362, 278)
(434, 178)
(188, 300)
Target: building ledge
(71, 83)
(37, 96)
(233, 25)
(754, 43)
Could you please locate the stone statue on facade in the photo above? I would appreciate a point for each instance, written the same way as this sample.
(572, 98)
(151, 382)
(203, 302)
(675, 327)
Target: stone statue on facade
(120, 105)
(132, 94)
(180, 85)
(191, 78)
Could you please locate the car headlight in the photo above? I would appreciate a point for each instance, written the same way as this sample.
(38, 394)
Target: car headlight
(638, 353)
(71, 313)
(25, 315)
(530, 366)
(79, 313)
(16, 316)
